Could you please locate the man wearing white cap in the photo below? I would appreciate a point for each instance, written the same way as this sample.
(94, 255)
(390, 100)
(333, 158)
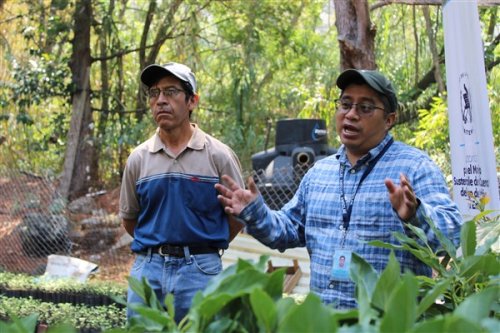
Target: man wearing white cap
(168, 202)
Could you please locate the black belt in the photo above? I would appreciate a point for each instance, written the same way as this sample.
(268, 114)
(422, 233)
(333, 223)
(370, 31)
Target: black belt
(178, 250)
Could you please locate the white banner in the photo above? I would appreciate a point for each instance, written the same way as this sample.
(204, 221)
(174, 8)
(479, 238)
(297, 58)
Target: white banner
(471, 136)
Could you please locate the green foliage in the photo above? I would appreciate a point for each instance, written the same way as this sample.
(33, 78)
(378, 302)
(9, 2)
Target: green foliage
(272, 68)
(58, 314)
(35, 129)
(462, 272)
(462, 297)
(256, 61)
(17, 281)
(43, 77)
(432, 134)
(433, 127)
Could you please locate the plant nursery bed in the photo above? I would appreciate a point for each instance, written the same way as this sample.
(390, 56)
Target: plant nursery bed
(62, 297)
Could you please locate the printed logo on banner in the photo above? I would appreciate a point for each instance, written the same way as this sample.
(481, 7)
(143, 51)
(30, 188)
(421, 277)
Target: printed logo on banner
(466, 104)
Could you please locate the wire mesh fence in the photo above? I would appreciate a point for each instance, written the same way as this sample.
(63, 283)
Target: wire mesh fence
(36, 222)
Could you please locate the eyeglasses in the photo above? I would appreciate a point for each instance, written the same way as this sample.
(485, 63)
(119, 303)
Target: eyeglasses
(167, 92)
(362, 109)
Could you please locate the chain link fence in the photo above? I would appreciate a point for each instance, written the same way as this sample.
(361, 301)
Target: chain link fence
(36, 222)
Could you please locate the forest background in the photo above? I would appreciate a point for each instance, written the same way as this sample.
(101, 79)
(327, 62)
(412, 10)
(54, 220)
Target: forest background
(72, 108)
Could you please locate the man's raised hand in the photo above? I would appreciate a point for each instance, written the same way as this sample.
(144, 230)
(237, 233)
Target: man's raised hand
(233, 197)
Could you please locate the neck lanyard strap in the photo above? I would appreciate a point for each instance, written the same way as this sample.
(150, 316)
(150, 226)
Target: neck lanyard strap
(347, 209)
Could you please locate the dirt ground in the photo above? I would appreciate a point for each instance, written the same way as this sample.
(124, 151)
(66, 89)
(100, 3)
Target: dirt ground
(94, 236)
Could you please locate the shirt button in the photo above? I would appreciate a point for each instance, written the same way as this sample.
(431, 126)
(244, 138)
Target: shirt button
(330, 285)
(353, 171)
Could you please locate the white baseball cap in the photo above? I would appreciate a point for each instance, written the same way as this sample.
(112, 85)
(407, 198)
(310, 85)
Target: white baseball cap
(152, 73)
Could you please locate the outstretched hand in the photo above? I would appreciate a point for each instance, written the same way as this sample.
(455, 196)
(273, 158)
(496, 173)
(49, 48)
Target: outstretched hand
(403, 199)
(233, 197)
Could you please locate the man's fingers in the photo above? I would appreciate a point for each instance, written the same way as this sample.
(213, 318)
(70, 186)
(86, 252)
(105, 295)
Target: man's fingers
(223, 199)
(408, 190)
(405, 181)
(224, 191)
(231, 184)
(390, 185)
(252, 186)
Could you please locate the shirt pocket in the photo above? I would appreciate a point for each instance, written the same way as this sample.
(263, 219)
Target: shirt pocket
(200, 195)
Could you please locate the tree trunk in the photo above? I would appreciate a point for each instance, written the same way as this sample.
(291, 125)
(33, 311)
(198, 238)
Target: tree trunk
(79, 171)
(163, 33)
(356, 34)
(433, 48)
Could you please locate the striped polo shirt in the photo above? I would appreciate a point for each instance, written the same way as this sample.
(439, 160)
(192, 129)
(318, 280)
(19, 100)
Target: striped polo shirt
(172, 197)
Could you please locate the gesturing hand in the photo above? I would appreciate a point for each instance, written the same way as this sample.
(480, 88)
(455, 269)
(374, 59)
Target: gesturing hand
(403, 199)
(233, 197)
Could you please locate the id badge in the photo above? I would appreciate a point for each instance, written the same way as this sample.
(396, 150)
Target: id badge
(341, 265)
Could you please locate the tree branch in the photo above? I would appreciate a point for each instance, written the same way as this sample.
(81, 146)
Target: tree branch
(382, 3)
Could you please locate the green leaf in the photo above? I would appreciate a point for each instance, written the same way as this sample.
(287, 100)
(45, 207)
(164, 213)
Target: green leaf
(404, 239)
(401, 307)
(363, 274)
(143, 289)
(488, 236)
(241, 266)
(420, 233)
(365, 277)
(448, 323)
(212, 305)
(305, 317)
(468, 238)
(242, 282)
(484, 265)
(264, 309)
(153, 317)
(385, 245)
(478, 306)
(225, 325)
(274, 285)
(431, 296)
(169, 303)
(491, 324)
(443, 240)
(61, 328)
(482, 215)
(423, 253)
(389, 279)
(284, 306)
(20, 325)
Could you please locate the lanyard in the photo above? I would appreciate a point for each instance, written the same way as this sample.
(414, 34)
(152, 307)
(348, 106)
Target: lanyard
(347, 209)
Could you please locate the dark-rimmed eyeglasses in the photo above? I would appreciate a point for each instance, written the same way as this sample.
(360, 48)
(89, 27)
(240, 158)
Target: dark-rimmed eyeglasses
(167, 92)
(362, 109)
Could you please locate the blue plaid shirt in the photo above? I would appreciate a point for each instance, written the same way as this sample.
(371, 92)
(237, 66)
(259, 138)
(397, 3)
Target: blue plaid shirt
(313, 217)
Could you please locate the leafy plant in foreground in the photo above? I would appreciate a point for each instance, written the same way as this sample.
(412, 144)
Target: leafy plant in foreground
(462, 296)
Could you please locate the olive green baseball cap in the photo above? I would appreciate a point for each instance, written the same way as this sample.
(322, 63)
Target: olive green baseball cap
(374, 79)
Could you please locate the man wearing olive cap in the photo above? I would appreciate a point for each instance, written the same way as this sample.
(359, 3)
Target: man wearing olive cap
(373, 186)
(168, 202)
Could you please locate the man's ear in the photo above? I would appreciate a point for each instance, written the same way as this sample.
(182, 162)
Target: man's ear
(390, 120)
(193, 101)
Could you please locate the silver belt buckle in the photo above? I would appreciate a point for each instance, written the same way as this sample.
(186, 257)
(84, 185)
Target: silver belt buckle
(160, 251)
